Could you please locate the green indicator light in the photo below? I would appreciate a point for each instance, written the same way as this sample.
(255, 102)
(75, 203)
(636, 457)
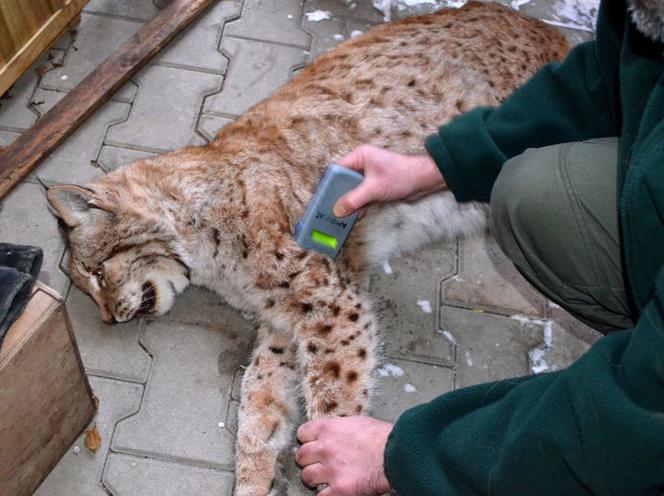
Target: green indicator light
(324, 239)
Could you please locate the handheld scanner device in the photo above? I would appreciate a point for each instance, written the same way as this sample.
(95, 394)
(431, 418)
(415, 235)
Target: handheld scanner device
(319, 229)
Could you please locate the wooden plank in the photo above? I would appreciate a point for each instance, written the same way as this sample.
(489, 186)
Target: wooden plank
(39, 42)
(46, 398)
(24, 154)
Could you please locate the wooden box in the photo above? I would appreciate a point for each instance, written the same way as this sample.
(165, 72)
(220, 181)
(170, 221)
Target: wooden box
(45, 399)
(27, 29)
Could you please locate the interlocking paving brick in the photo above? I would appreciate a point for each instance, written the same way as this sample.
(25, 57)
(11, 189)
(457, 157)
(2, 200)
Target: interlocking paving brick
(209, 125)
(114, 157)
(73, 160)
(132, 476)
(565, 349)
(187, 395)
(97, 37)
(402, 384)
(266, 20)
(15, 112)
(25, 219)
(165, 112)
(570, 14)
(489, 347)
(355, 9)
(109, 351)
(256, 70)
(573, 326)
(143, 10)
(197, 46)
(409, 332)
(7, 137)
(79, 471)
(325, 35)
(488, 280)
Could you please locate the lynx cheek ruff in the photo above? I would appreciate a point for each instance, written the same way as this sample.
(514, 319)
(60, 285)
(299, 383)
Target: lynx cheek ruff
(319, 229)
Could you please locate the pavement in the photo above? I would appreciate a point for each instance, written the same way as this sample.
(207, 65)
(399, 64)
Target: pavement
(452, 315)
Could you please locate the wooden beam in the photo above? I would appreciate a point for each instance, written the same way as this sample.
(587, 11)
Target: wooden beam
(24, 154)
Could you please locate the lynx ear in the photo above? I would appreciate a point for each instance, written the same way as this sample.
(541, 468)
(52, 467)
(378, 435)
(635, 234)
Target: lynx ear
(73, 204)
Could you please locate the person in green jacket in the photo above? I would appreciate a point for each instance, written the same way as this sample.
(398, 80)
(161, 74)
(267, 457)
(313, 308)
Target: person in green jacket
(573, 166)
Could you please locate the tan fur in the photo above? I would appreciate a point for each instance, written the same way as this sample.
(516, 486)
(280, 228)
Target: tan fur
(222, 215)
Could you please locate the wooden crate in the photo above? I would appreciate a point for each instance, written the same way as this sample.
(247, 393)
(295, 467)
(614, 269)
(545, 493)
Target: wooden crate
(45, 399)
(27, 29)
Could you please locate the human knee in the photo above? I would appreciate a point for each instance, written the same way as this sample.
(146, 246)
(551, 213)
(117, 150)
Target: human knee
(523, 194)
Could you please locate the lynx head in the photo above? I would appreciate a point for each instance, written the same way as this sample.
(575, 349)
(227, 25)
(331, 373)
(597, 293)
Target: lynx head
(118, 256)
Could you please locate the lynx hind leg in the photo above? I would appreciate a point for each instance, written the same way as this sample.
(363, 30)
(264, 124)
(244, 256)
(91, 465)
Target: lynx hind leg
(268, 406)
(335, 334)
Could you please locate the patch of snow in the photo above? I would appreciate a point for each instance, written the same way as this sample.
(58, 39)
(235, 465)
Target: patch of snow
(386, 6)
(456, 278)
(524, 319)
(318, 15)
(449, 336)
(469, 360)
(537, 355)
(387, 268)
(356, 33)
(516, 4)
(390, 370)
(221, 424)
(76, 450)
(64, 77)
(409, 388)
(551, 304)
(425, 306)
(339, 37)
(290, 16)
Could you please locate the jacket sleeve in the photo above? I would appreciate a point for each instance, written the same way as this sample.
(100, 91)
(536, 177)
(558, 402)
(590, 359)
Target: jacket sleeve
(563, 102)
(594, 428)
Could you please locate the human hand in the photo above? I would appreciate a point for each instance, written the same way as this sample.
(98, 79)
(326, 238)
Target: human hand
(345, 454)
(388, 176)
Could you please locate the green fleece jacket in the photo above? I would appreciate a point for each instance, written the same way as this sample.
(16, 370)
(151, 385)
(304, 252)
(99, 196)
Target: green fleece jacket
(596, 427)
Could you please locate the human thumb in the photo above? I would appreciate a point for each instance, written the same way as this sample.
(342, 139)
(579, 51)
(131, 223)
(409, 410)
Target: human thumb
(352, 201)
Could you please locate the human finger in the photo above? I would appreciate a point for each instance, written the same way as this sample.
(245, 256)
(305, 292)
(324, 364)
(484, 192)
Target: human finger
(309, 431)
(313, 475)
(357, 159)
(355, 199)
(307, 454)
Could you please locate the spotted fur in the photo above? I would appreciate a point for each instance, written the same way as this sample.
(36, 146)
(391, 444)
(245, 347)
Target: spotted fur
(222, 215)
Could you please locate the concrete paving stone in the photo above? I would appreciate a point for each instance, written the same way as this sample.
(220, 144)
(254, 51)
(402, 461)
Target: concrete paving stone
(109, 351)
(7, 137)
(187, 395)
(574, 36)
(209, 125)
(324, 35)
(165, 95)
(488, 280)
(407, 331)
(489, 347)
(96, 38)
(256, 69)
(132, 476)
(79, 471)
(142, 10)
(74, 160)
(565, 349)
(572, 325)
(401, 385)
(569, 14)
(197, 46)
(350, 9)
(15, 111)
(266, 20)
(114, 157)
(25, 219)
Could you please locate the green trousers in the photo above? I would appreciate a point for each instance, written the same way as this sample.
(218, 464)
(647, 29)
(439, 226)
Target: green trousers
(554, 213)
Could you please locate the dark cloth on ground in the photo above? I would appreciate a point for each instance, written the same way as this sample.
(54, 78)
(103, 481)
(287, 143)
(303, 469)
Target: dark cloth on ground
(19, 268)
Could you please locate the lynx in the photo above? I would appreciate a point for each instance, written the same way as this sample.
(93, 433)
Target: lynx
(222, 215)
